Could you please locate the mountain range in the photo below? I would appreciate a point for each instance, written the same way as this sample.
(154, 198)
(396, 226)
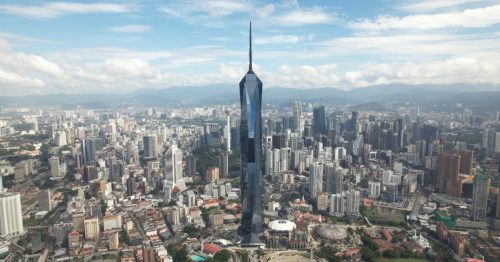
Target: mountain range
(482, 97)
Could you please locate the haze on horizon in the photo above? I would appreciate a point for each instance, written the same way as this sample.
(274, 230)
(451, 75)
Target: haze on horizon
(124, 46)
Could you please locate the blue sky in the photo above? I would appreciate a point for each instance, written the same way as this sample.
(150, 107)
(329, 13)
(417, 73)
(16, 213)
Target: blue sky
(91, 46)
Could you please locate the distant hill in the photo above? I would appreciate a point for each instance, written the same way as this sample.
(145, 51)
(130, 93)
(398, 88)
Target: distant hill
(483, 97)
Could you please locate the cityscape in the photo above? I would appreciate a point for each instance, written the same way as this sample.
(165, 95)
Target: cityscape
(138, 160)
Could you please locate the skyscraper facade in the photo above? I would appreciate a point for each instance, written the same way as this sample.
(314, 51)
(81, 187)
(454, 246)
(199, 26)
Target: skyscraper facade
(448, 180)
(297, 112)
(250, 144)
(319, 118)
(480, 197)
(174, 180)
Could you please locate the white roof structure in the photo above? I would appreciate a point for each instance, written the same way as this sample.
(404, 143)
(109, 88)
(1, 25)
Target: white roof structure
(282, 225)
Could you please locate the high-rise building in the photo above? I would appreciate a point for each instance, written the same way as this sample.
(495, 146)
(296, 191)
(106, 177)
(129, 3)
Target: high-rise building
(224, 164)
(11, 217)
(497, 142)
(315, 179)
(373, 189)
(251, 144)
(352, 202)
(337, 205)
(319, 122)
(448, 180)
(297, 112)
(173, 172)
(54, 166)
(150, 146)
(488, 142)
(466, 160)
(191, 165)
(131, 185)
(480, 197)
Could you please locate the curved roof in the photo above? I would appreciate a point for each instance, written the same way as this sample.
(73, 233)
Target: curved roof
(282, 225)
(332, 232)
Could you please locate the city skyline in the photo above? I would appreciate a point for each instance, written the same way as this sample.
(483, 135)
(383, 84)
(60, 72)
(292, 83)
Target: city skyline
(85, 47)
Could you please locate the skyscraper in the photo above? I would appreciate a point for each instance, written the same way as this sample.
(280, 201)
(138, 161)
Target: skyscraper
(250, 144)
(315, 179)
(480, 197)
(150, 144)
(173, 172)
(448, 180)
(319, 121)
(297, 112)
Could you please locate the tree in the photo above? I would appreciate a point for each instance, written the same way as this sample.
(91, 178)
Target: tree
(181, 255)
(222, 256)
(368, 254)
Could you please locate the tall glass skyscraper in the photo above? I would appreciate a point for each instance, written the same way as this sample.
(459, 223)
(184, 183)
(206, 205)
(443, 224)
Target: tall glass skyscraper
(251, 144)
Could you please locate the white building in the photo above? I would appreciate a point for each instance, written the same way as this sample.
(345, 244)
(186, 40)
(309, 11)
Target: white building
(173, 172)
(11, 216)
(390, 179)
(373, 189)
(315, 179)
(337, 205)
(352, 202)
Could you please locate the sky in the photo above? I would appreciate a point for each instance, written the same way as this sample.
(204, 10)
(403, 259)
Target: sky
(124, 46)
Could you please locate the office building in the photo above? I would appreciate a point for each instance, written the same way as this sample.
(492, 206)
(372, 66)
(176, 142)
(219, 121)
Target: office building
(173, 172)
(297, 112)
(54, 166)
(224, 164)
(251, 144)
(480, 197)
(150, 146)
(315, 179)
(448, 179)
(319, 121)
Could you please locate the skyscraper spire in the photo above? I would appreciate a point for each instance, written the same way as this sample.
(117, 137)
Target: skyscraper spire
(250, 51)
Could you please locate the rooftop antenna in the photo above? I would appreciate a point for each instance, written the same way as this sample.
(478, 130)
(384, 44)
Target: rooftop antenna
(250, 51)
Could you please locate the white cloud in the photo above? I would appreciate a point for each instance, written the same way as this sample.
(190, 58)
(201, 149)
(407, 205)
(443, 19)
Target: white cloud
(410, 46)
(468, 18)
(265, 11)
(431, 5)
(472, 70)
(277, 39)
(186, 10)
(12, 80)
(57, 9)
(131, 29)
(299, 17)
(130, 68)
(23, 62)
